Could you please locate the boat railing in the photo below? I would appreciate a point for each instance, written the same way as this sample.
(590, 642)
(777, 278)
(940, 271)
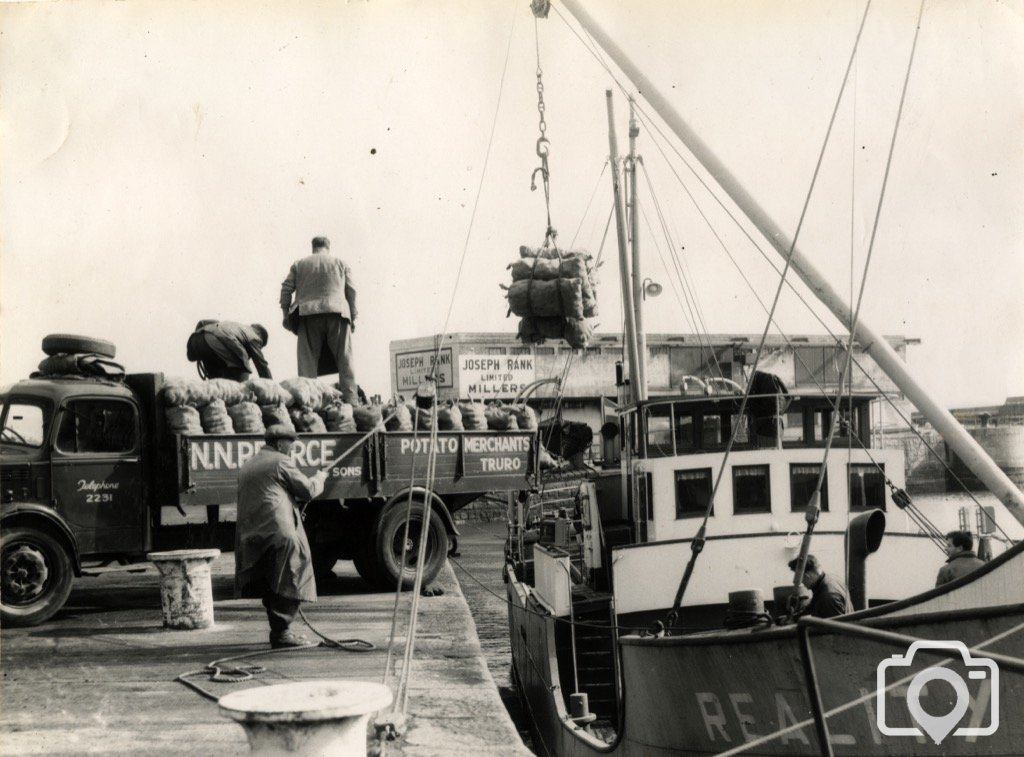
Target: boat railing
(950, 650)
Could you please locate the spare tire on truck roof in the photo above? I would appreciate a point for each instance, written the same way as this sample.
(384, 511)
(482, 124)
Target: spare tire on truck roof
(54, 344)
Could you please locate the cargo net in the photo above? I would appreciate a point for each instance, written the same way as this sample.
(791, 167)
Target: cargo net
(552, 292)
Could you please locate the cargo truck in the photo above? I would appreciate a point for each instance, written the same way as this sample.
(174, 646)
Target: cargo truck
(91, 476)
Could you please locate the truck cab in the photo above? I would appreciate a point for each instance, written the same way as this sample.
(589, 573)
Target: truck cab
(71, 485)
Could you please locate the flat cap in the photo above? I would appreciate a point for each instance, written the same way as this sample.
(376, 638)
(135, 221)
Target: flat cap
(812, 563)
(280, 431)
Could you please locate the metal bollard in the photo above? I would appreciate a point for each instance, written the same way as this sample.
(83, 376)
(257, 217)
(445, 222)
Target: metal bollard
(308, 718)
(186, 588)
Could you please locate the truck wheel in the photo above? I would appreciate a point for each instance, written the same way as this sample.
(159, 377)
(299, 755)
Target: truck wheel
(54, 344)
(35, 576)
(390, 531)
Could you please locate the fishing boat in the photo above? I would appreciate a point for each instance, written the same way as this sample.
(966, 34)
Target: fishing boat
(639, 611)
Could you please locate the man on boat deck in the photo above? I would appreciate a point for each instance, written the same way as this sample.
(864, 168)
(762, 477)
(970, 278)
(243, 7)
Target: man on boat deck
(828, 596)
(272, 555)
(962, 559)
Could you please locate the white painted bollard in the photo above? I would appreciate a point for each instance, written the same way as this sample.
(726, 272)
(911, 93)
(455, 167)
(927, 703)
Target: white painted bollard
(186, 588)
(307, 718)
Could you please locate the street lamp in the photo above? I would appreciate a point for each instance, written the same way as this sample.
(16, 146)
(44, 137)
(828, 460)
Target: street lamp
(651, 287)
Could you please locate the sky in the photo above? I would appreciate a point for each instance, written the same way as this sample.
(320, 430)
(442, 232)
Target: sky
(166, 161)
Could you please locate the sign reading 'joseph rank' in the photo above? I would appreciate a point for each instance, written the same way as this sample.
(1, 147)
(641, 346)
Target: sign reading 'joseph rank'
(495, 375)
(411, 368)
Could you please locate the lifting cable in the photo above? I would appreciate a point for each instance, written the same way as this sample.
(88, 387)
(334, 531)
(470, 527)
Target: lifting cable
(697, 545)
(543, 144)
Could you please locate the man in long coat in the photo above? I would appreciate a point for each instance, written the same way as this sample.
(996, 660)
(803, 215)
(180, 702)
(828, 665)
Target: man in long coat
(272, 555)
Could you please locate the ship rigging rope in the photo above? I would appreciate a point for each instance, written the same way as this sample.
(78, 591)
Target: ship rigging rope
(697, 545)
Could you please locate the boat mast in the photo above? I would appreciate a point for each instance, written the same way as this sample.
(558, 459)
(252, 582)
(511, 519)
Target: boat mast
(961, 442)
(634, 235)
(620, 228)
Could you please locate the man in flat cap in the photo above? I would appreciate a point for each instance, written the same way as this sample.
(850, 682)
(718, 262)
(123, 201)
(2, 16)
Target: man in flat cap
(318, 301)
(828, 596)
(272, 556)
(223, 349)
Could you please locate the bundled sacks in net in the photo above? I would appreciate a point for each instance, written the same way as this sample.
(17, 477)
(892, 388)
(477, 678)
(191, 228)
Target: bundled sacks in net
(269, 392)
(556, 298)
(215, 418)
(338, 417)
(368, 417)
(547, 263)
(247, 418)
(449, 417)
(306, 420)
(397, 416)
(276, 414)
(474, 416)
(184, 419)
(306, 392)
(576, 331)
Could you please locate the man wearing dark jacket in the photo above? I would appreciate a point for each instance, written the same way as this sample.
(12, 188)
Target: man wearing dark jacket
(828, 596)
(223, 349)
(272, 556)
(962, 559)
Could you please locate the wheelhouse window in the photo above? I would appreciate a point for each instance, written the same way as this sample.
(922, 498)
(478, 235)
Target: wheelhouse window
(659, 431)
(24, 424)
(751, 489)
(693, 491)
(867, 487)
(97, 426)
(793, 429)
(685, 431)
(802, 479)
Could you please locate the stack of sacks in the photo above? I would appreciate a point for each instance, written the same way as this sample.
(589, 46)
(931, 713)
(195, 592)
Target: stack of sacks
(215, 418)
(306, 393)
(525, 416)
(474, 416)
(179, 391)
(268, 392)
(499, 418)
(229, 391)
(276, 414)
(184, 419)
(247, 418)
(338, 417)
(331, 395)
(422, 419)
(398, 416)
(368, 417)
(449, 417)
(306, 420)
(553, 292)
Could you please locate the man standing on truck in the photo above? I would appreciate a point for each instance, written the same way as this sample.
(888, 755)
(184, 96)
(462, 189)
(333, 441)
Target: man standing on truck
(318, 300)
(223, 349)
(272, 555)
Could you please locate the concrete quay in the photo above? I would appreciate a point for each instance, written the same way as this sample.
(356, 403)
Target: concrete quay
(98, 678)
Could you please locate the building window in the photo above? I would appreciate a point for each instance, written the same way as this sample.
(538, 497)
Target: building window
(693, 491)
(751, 489)
(867, 487)
(494, 350)
(803, 477)
(544, 350)
(97, 426)
(520, 350)
(659, 431)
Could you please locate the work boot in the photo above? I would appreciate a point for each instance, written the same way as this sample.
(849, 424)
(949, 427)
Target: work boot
(287, 639)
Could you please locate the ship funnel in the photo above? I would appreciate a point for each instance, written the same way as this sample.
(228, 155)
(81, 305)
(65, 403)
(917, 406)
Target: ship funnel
(863, 536)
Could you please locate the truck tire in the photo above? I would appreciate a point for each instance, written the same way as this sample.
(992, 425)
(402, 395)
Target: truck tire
(35, 576)
(54, 344)
(389, 532)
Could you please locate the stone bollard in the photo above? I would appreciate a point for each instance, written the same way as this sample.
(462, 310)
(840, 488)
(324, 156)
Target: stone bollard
(186, 589)
(308, 718)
